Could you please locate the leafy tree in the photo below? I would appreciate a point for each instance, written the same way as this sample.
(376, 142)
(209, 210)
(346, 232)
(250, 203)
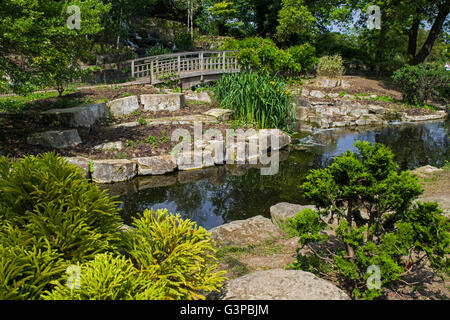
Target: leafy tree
(37, 43)
(376, 225)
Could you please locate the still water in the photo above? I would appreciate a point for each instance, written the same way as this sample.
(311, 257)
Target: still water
(221, 194)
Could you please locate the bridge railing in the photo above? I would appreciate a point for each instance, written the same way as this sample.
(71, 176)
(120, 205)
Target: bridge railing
(182, 65)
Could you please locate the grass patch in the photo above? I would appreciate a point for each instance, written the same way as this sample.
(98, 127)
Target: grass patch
(18, 104)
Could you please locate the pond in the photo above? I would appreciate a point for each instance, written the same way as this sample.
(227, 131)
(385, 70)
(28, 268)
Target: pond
(217, 195)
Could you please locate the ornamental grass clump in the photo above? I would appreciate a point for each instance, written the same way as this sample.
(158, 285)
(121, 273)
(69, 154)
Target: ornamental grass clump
(368, 204)
(256, 97)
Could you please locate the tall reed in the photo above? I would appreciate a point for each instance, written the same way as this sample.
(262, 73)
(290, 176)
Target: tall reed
(255, 97)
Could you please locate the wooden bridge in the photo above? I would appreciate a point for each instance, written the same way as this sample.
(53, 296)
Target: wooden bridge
(189, 68)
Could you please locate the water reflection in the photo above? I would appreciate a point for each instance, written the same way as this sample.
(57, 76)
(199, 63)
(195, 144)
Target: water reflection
(217, 195)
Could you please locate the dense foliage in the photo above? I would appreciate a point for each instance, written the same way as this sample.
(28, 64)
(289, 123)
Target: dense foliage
(37, 48)
(255, 97)
(367, 204)
(263, 54)
(51, 218)
(422, 82)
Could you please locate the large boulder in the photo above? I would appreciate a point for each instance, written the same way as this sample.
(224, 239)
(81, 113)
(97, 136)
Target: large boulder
(116, 170)
(155, 165)
(123, 106)
(251, 231)
(280, 284)
(283, 210)
(157, 102)
(81, 116)
(58, 139)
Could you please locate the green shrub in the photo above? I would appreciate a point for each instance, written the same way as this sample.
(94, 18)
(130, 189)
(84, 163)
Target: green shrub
(262, 54)
(108, 277)
(164, 246)
(48, 198)
(255, 98)
(376, 224)
(422, 82)
(304, 55)
(330, 66)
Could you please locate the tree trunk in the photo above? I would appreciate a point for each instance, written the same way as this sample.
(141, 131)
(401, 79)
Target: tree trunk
(349, 218)
(412, 39)
(433, 35)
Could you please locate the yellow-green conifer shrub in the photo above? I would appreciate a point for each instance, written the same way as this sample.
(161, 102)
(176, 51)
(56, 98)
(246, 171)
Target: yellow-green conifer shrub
(26, 271)
(107, 277)
(48, 198)
(166, 247)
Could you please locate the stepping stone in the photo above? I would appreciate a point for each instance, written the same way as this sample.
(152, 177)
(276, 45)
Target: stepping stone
(57, 139)
(220, 114)
(123, 106)
(117, 170)
(81, 116)
(158, 102)
(155, 165)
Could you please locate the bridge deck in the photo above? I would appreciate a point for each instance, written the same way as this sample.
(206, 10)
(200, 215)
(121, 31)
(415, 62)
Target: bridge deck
(163, 68)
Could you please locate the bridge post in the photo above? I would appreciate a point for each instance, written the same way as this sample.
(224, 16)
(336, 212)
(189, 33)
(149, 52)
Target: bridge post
(201, 66)
(151, 71)
(132, 68)
(223, 61)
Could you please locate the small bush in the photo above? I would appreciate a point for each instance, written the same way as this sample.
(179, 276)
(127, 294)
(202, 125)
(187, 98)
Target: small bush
(377, 227)
(47, 198)
(422, 82)
(255, 98)
(330, 66)
(164, 246)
